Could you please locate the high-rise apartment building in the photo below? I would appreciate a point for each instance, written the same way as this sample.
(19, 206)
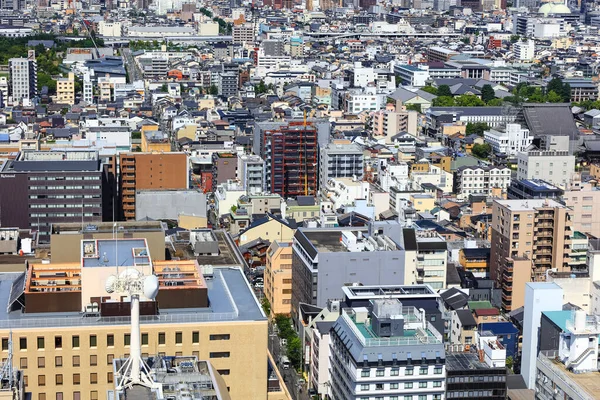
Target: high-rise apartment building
(23, 77)
(243, 34)
(149, 171)
(41, 188)
(529, 238)
(251, 173)
(67, 330)
(388, 351)
(278, 277)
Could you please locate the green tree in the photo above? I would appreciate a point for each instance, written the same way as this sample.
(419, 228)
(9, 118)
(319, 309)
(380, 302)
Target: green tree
(214, 90)
(487, 93)
(164, 88)
(537, 96)
(554, 97)
(510, 363)
(482, 151)
(430, 89)
(469, 100)
(266, 305)
(444, 90)
(398, 81)
(294, 351)
(514, 38)
(555, 85)
(477, 128)
(260, 87)
(495, 102)
(444, 101)
(566, 93)
(413, 107)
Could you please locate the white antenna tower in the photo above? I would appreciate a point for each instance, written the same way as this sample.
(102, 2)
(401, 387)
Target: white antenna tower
(134, 283)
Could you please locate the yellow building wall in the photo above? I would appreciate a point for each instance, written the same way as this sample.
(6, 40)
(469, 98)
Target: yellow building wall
(271, 231)
(278, 280)
(188, 131)
(422, 204)
(192, 221)
(244, 371)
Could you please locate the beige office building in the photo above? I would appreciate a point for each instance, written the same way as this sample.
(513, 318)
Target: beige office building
(65, 90)
(586, 208)
(66, 329)
(529, 237)
(278, 277)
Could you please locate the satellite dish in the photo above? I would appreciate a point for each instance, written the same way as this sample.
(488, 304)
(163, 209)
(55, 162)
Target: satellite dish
(151, 286)
(110, 284)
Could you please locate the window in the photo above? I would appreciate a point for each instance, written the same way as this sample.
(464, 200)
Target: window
(437, 370)
(223, 371)
(23, 363)
(109, 359)
(93, 377)
(161, 338)
(393, 386)
(41, 362)
(76, 379)
(59, 396)
(422, 385)
(110, 340)
(109, 377)
(59, 379)
(220, 337)
(58, 361)
(75, 341)
(127, 339)
(407, 397)
(379, 386)
(76, 361)
(93, 341)
(94, 395)
(42, 396)
(93, 360)
(408, 385)
(365, 373)
(395, 371)
(41, 380)
(437, 384)
(408, 371)
(178, 337)
(22, 343)
(219, 354)
(380, 372)
(58, 342)
(4, 344)
(422, 397)
(195, 337)
(76, 395)
(364, 387)
(423, 370)
(40, 342)
(144, 339)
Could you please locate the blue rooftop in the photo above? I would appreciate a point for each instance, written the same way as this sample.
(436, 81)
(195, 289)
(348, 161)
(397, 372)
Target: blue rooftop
(559, 318)
(115, 253)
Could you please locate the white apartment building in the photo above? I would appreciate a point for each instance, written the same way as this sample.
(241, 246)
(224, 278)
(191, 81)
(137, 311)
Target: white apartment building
(114, 29)
(426, 258)
(513, 140)
(481, 180)
(23, 77)
(367, 101)
(389, 352)
(382, 78)
(411, 75)
(227, 196)
(436, 176)
(345, 191)
(556, 167)
(340, 160)
(524, 50)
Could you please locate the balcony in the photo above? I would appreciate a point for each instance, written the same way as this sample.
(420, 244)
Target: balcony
(543, 252)
(544, 225)
(507, 297)
(543, 243)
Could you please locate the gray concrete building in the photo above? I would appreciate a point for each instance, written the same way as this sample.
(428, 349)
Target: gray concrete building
(326, 259)
(338, 160)
(169, 204)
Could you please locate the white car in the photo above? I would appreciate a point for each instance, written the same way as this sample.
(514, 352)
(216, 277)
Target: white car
(259, 285)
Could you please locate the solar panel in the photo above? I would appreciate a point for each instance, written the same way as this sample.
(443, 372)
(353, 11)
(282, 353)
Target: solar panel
(16, 291)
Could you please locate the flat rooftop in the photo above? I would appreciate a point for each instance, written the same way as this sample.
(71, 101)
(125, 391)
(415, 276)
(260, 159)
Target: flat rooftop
(588, 382)
(465, 362)
(104, 227)
(114, 253)
(529, 204)
(230, 298)
(371, 292)
(45, 161)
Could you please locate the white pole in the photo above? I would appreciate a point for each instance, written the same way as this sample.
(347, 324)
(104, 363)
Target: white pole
(135, 345)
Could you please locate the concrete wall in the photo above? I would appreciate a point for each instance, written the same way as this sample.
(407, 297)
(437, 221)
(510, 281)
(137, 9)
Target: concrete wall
(169, 204)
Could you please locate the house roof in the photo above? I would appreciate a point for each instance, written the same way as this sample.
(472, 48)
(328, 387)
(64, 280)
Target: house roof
(455, 299)
(484, 312)
(466, 318)
(550, 119)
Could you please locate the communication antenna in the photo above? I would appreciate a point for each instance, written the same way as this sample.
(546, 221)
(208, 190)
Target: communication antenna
(134, 283)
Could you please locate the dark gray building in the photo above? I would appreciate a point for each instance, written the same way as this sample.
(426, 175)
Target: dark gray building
(40, 188)
(469, 377)
(326, 259)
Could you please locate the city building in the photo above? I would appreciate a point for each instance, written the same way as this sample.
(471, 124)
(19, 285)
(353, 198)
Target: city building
(155, 141)
(41, 188)
(243, 34)
(554, 166)
(524, 50)
(481, 180)
(23, 77)
(387, 350)
(325, 260)
(534, 189)
(65, 89)
(149, 171)
(72, 355)
(529, 238)
(224, 167)
(340, 159)
(278, 277)
(411, 75)
(585, 203)
(251, 173)
(512, 140)
(470, 375)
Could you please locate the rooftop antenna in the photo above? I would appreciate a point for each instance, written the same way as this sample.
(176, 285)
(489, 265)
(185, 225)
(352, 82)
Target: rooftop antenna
(134, 283)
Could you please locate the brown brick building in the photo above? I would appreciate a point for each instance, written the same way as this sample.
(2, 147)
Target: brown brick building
(140, 171)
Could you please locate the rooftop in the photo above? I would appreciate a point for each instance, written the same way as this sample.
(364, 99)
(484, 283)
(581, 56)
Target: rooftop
(106, 227)
(387, 291)
(76, 160)
(114, 252)
(464, 362)
(529, 204)
(588, 383)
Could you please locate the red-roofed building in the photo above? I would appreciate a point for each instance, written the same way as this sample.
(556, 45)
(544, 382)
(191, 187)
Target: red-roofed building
(486, 315)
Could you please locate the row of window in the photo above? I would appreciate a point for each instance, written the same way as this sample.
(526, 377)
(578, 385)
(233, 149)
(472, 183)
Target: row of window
(63, 205)
(110, 340)
(76, 187)
(43, 215)
(63, 178)
(59, 379)
(64, 196)
(76, 396)
(366, 373)
(395, 385)
(409, 397)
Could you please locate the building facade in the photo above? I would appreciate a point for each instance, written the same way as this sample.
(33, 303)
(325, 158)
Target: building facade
(278, 277)
(23, 77)
(340, 160)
